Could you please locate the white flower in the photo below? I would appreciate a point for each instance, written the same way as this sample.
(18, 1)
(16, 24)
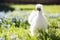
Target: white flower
(8, 26)
(9, 12)
(2, 14)
(0, 20)
(17, 38)
(13, 36)
(0, 38)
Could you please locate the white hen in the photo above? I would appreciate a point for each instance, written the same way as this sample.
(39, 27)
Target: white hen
(37, 20)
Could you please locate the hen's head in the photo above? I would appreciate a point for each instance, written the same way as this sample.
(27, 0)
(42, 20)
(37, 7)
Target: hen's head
(39, 7)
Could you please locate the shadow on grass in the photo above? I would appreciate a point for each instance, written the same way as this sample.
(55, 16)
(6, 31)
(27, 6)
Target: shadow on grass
(5, 7)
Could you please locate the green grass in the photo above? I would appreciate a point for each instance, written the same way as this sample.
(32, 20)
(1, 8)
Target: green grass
(21, 29)
(51, 8)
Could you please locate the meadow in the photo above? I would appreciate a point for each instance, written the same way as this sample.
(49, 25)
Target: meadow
(14, 24)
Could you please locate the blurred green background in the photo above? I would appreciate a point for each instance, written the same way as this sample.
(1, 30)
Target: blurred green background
(14, 24)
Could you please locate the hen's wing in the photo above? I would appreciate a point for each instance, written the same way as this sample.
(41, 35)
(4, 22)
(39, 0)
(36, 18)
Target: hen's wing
(31, 16)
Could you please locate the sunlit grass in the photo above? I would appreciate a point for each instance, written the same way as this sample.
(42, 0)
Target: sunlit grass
(21, 29)
(51, 8)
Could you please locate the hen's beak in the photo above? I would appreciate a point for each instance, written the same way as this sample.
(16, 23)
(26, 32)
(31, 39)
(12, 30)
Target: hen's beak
(39, 9)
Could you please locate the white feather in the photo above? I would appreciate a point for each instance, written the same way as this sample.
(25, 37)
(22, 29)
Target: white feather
(37, 21)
